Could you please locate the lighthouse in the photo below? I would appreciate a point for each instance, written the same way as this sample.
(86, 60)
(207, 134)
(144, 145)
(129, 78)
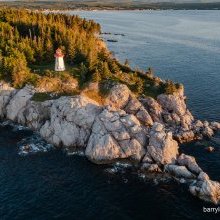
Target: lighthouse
(59, 63)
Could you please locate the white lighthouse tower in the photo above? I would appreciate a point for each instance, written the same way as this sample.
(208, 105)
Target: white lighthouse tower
(59, 63)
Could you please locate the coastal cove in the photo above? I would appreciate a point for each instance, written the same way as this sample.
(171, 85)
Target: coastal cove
(135, 139)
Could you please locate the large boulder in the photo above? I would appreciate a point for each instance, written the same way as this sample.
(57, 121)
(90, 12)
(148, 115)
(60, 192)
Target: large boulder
(103, 149)
(116, 135)
(144, 117)
(215, 125)
(179, 171)
(189, 162)
(154, 108)
(118, 96)
(162, 148)
(185, 136)
(206, 190)
(172, 103)
(35, 114)
(197, 127)
(18, 102)
(175, 104)
(71, 120)
(133, 105)
(207, 132)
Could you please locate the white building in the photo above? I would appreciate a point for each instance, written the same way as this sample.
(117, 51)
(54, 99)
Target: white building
(59, 63)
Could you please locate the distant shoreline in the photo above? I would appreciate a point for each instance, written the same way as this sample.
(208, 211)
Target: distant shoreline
(97, 5)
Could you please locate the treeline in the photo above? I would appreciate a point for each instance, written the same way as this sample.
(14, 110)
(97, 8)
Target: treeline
(31, 38)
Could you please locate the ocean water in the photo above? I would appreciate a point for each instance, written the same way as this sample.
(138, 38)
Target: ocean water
(179, 45)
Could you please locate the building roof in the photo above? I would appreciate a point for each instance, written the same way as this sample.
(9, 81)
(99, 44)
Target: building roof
(59, 53)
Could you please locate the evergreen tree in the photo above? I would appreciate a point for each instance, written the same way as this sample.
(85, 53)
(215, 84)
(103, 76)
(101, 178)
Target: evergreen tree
(83, 72)
(127, 62)
(96, 77)
(15, 68)
(106, 72)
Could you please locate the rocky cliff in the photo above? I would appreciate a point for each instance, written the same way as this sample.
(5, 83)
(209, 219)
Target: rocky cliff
(146, 132)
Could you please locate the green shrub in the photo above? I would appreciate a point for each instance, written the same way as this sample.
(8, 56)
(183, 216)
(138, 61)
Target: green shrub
(42, 96)
(171, 87)
(105, 87)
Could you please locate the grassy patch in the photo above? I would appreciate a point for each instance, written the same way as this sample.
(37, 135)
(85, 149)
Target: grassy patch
(94, 95)
(44, 96)
(48, 69)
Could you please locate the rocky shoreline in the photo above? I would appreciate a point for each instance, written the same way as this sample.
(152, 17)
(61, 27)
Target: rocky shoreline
(146, 132)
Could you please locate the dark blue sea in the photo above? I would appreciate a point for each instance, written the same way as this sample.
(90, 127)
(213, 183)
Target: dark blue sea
(180, 45)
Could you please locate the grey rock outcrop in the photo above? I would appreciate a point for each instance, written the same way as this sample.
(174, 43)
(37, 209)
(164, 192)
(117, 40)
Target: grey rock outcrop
(185, 136)
(71, 119)
(206, 190)
(18, 102)
(154, 108)
(116, 135)
(6, 93)
(144, 132)
(120, 97)
(35, 114)
(179, 171)
(176, 107)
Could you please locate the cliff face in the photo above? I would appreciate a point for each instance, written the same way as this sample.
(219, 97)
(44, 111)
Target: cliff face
(146, 132)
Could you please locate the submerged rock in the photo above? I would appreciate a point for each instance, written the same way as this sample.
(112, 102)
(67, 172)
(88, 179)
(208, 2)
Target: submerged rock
(32, 145)
(210, 149)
